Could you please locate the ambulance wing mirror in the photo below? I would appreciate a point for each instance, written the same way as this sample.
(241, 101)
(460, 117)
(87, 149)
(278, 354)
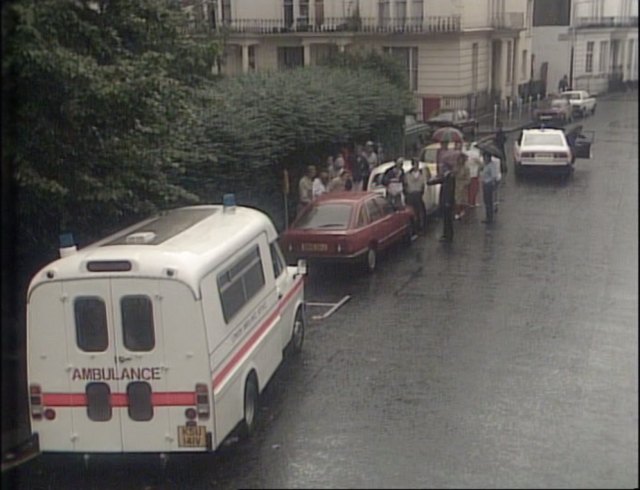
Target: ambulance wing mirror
(302, 267)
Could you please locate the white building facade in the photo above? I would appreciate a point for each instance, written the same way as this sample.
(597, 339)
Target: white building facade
(457, 53)
(598, 51)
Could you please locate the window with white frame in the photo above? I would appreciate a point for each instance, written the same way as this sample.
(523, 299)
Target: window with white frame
(474, 67)
(417, 12)
(602, 61)
(509, 61)
(384, 13)
(588, 62)
(408, 57)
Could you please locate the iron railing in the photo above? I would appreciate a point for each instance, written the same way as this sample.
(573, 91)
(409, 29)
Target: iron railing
(607, 21)
(429, 24)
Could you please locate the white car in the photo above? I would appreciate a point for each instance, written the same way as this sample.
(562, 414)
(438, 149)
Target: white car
(431, 196)
(543, 148)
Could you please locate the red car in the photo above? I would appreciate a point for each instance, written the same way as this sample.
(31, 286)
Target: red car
(349, 226)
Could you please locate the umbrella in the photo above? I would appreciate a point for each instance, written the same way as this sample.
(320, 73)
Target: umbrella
(489, 145)
(447, 134)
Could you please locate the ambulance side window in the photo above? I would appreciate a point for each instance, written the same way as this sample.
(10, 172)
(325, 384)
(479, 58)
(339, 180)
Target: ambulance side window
(91, 323)
(137, 323)
(240, 283)
(276, 259)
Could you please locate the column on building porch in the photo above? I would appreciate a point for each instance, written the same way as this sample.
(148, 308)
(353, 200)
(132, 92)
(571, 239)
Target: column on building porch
(307, 53)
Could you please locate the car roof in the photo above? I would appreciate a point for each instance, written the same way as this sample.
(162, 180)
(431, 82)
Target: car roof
(344, 197)
(543, 131)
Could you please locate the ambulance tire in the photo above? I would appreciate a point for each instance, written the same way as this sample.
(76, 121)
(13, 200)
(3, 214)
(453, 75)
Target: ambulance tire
(294, 346)
(248, 424)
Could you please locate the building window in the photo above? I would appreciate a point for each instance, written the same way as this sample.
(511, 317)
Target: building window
(588, 64)
(226, 11)
(417, 12)
(474, 67)
(319, 6)
(401, 13)
(384, 12)
(602, 62)
(290, 57)
(408, 58)
(509, 62)
(288, 13)
(523, 68)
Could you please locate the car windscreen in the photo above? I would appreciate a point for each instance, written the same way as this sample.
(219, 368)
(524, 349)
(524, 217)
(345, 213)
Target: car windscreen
(542, 140)
(330, 216)
(430, 155)
(443, 116)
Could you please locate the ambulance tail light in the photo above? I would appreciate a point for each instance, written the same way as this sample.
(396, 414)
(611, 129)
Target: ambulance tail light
(35, 400)
(202, 401)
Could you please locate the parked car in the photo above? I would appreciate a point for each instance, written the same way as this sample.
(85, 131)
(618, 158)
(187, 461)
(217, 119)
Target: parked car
(431, 194)
(581, 102)
(347, 226)
(459, 119)
(548, 149)
(556, 110)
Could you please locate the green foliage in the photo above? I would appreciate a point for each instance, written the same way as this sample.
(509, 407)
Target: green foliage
(95, 92)
(255, 125)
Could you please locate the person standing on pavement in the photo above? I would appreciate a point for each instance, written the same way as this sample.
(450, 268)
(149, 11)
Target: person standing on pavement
(320, 184)
(363, 164)
(305, 188)
(563, 85)
(447, 200)
(489, 177)
(393, 180)
(501, 140)
(462, 185)
(474, 163)
(414, 184)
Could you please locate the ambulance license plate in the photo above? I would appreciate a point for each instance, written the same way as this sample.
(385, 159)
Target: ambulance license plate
(192, 436)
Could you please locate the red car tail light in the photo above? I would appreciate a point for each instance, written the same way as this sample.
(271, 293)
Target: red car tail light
(35, 400)
(562, 155)
(202, 401)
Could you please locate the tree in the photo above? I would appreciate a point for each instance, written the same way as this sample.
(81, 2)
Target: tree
(99, 93)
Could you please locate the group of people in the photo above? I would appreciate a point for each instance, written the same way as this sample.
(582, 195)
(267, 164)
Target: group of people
(347, 170)
(460, 174)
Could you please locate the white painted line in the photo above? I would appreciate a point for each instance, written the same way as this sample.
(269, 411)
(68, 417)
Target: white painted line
(332, 310)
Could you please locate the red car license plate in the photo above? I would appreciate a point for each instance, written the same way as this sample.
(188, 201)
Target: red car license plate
(314, 247)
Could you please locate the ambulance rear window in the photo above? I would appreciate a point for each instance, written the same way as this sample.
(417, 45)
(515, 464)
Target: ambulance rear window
(137, 323)
(91, 323)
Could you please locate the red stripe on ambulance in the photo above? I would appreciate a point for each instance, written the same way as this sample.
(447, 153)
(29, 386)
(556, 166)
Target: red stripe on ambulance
(217, 380)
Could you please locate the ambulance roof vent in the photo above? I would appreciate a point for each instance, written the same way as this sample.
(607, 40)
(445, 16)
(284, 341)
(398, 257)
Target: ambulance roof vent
(141, 238)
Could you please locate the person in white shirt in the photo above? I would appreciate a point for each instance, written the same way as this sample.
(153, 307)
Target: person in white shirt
(474, 162)
(320, 184)
(489, 178)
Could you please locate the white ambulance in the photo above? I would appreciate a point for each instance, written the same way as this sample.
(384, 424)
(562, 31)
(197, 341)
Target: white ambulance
(160, 337)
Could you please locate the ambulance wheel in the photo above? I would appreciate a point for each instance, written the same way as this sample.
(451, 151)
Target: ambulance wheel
(297, 336)
(250, 406)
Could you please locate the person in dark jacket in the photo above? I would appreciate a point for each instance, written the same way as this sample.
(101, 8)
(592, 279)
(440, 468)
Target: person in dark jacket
(500, 140)
(447, 200)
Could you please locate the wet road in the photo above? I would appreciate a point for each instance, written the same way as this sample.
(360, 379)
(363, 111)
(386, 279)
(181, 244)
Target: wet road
(508, 359)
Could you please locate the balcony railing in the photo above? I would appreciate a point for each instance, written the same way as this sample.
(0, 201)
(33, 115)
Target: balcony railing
(607, 21)
(432, 24)
(508, 20)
